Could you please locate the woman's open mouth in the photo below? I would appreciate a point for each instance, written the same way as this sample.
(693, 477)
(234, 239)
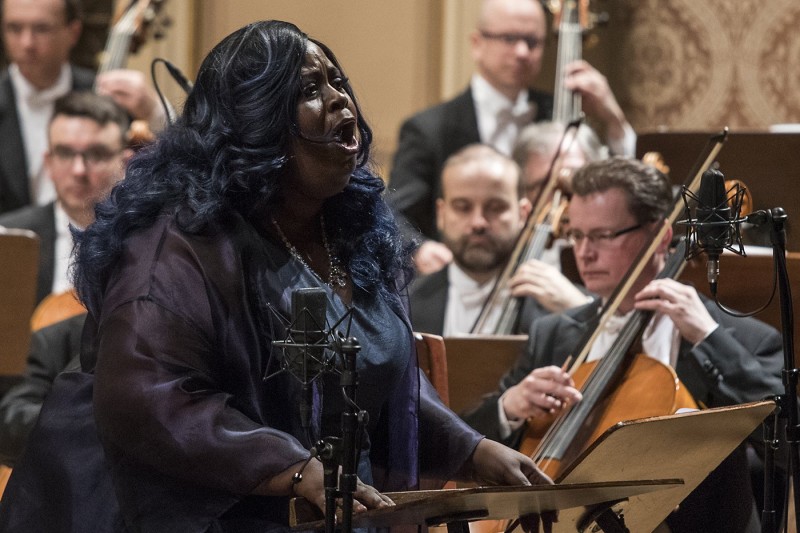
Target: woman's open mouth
(345, 136)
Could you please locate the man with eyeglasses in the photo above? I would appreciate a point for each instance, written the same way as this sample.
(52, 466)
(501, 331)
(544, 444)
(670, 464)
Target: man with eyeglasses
(616, 206)
(38, 36)
(85, 158)
(507, 48)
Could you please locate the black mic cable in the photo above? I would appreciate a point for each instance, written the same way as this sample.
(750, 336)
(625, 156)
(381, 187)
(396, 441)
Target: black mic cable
(179, 78)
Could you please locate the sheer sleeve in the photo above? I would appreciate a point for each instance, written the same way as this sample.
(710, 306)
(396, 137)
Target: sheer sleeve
(158, 402)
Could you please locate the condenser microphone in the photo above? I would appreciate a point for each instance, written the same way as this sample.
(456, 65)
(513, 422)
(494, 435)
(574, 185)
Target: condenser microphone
(715, 221)
(306, 354)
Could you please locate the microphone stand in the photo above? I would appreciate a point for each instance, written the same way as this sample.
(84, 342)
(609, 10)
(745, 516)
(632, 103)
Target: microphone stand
(343, 452)
(787, 403)
(353, 421)
(339, 455)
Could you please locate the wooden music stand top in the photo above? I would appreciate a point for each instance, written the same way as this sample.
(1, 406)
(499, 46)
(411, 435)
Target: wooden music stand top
(631, 462)
(19, 264)
(435, 507)
(688, 446)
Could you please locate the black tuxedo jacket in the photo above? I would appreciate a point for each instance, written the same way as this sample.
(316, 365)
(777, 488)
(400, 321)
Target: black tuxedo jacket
(429, 302)
(40, 219)
(740, 361)
(53, 349)
(14, 186)
(426, 140)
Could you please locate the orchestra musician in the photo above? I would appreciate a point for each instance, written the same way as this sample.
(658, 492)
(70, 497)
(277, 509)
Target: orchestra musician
(721, 360)
(38, 36)
(262, 185)
(479, 217)
(85, 157)
(507, 47)
(53, 349)
(87, 138)
(535, 151)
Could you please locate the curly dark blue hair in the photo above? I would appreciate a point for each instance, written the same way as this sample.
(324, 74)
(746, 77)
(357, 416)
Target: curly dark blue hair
(226, 152)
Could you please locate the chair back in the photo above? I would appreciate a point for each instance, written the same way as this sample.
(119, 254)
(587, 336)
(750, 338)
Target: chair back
(433, 361)
(19, 263)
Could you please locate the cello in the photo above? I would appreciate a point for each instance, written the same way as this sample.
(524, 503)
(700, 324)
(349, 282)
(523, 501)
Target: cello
(581, 424)
(622, 385)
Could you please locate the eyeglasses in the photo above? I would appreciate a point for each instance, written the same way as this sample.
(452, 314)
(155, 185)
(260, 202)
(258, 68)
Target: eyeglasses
(37, 31)
(94, 156)
(512, 39)
(599, 239)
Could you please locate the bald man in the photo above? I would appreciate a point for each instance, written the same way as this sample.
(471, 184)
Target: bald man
(507, 48)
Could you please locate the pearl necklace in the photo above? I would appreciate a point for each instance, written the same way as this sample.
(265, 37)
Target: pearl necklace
(337, 277)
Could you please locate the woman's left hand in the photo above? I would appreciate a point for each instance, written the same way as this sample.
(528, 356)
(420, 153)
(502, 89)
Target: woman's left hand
(493, 463)
(368, 497)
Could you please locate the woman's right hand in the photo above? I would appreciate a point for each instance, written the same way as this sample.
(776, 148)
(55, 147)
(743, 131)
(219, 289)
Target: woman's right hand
(312, 488)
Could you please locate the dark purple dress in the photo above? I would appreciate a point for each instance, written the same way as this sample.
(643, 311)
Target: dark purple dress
(187, 423)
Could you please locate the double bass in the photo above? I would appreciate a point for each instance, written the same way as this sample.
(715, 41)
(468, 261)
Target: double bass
(500, 314)
(127, 34)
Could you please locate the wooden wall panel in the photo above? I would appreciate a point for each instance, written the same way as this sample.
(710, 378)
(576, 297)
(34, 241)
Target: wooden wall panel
(704, 64)
(390, 50)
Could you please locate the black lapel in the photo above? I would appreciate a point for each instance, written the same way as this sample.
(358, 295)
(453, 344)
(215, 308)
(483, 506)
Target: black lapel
(14, 191)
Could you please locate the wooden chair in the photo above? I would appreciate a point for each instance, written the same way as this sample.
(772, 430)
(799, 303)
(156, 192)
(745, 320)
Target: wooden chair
(433, 361)
(19, 260)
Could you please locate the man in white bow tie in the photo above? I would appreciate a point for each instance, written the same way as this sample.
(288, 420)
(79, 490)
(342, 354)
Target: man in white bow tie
(721, 360)
(507, 48)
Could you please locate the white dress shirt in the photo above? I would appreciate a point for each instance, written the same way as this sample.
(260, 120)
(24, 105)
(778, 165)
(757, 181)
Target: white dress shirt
(34, 109)
(465, 299)
(64, 244)
(500, 119)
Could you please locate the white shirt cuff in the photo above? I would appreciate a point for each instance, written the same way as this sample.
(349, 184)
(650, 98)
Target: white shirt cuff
(625, 146)
(709, 332)
(506, 426)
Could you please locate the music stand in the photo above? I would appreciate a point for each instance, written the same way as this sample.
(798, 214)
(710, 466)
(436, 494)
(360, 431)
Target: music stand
(637, 457)
(437, 507)
(19, 263)
(687, 446)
